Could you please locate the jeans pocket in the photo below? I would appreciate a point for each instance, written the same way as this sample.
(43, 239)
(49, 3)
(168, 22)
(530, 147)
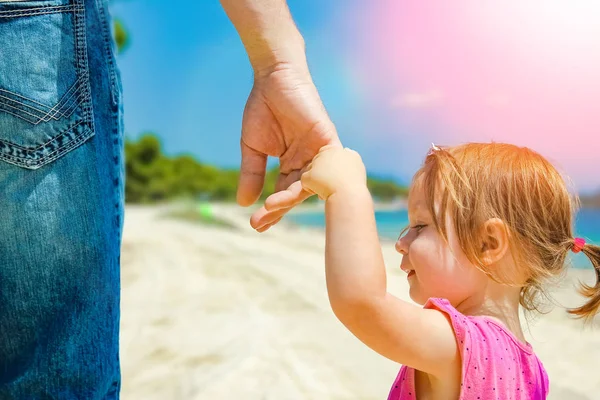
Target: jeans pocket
(45, 98)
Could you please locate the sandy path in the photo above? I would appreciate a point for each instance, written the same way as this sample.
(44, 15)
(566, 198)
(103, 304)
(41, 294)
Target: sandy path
(210, 313)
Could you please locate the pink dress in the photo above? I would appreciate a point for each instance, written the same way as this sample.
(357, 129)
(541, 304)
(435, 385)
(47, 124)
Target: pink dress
(495, 364)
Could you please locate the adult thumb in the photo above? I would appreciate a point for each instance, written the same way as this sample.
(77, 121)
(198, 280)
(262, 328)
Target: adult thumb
(252, 176)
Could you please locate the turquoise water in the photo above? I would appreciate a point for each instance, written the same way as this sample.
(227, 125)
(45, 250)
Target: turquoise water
(390, 223)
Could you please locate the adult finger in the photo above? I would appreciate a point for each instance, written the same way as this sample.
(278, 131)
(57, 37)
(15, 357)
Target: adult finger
(252, 175)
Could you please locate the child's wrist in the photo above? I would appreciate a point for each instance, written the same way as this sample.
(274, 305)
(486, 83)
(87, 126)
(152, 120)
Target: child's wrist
(350, 191)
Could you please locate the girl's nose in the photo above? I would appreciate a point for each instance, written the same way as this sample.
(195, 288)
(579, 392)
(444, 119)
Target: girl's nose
(401, 245)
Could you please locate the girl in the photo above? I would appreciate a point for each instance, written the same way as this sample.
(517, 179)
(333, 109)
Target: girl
(489, 225)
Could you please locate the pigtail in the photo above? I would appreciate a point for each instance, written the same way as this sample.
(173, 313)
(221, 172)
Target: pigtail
(591, 308)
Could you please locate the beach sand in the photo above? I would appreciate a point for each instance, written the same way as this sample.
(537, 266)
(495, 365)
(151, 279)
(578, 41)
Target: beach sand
(227, 313)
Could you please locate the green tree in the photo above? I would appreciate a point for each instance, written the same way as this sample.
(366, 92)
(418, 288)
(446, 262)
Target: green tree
(153, 176)
(143, 160)
(386, 190)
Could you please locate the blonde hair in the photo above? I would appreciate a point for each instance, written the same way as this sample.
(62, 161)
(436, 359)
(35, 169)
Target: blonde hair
(478, 181)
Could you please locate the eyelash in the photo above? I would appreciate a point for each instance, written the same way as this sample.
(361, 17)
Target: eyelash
(418, 227)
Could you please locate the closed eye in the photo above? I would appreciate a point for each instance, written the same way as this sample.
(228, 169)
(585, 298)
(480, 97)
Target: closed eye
(418, 227)
(409, 228)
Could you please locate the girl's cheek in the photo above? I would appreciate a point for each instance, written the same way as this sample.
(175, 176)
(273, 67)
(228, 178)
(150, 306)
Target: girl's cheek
(422, 243)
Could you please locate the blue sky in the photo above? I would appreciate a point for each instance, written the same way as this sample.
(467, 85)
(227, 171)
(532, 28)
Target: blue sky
(186, 78)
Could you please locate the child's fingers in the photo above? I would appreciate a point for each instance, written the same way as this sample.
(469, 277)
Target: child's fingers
(323, 150)
(305, 180)
(266, 227)
(278, 205)
(262, 217)
(306, 168)
(353, 152)
(327, 147)
(306, 185)
(289, 197)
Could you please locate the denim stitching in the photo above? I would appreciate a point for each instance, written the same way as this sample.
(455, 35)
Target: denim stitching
(22, 13)
(83, 73)
(65, 112)
(25, 98)
(60, 108)
(83, 63)
(21, 106)
(61, 151)
(88, 133)
(68, 111)
(33, 14)
(77, 85)
(33, 157)
(43, 9)
(15, 14)
(106, 35)
(52, 156)
(39, 8)
(61, 112)
(16, 1)
(40, 147)
(35, 149)
(21, 110)
(7, 103)
(12, 113)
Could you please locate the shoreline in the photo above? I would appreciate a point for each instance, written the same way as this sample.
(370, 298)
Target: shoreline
(240, 218)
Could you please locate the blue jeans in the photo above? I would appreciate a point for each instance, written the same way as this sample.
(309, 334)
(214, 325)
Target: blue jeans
(61, 200)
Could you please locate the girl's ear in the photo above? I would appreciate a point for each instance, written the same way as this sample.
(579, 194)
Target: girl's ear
(494, 241)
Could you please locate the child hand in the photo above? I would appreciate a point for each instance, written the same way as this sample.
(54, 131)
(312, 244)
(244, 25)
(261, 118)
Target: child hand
(334, 169)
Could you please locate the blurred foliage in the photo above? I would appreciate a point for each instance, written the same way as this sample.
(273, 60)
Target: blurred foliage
(121, 35)
(590, 200)
(152, 176)
(386, 189)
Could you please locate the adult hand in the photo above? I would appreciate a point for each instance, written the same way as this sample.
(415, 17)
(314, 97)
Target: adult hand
(285, 118)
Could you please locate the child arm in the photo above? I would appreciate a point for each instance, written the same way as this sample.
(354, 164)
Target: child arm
(356, 285)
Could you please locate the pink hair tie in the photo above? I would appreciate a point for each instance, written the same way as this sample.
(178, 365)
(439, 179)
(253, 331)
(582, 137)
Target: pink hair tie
(578, 245)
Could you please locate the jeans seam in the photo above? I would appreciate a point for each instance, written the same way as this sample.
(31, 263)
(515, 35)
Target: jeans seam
(56, 114)
(82, 62)
(34, 101)
(36, 11)
(29, 161)
(45, 116)
(107, 38)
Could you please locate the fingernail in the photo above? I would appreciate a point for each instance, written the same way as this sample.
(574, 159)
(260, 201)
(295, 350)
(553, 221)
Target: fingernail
(263, 229)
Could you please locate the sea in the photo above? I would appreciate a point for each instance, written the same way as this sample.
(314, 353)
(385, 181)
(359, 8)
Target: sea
(390, 223)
